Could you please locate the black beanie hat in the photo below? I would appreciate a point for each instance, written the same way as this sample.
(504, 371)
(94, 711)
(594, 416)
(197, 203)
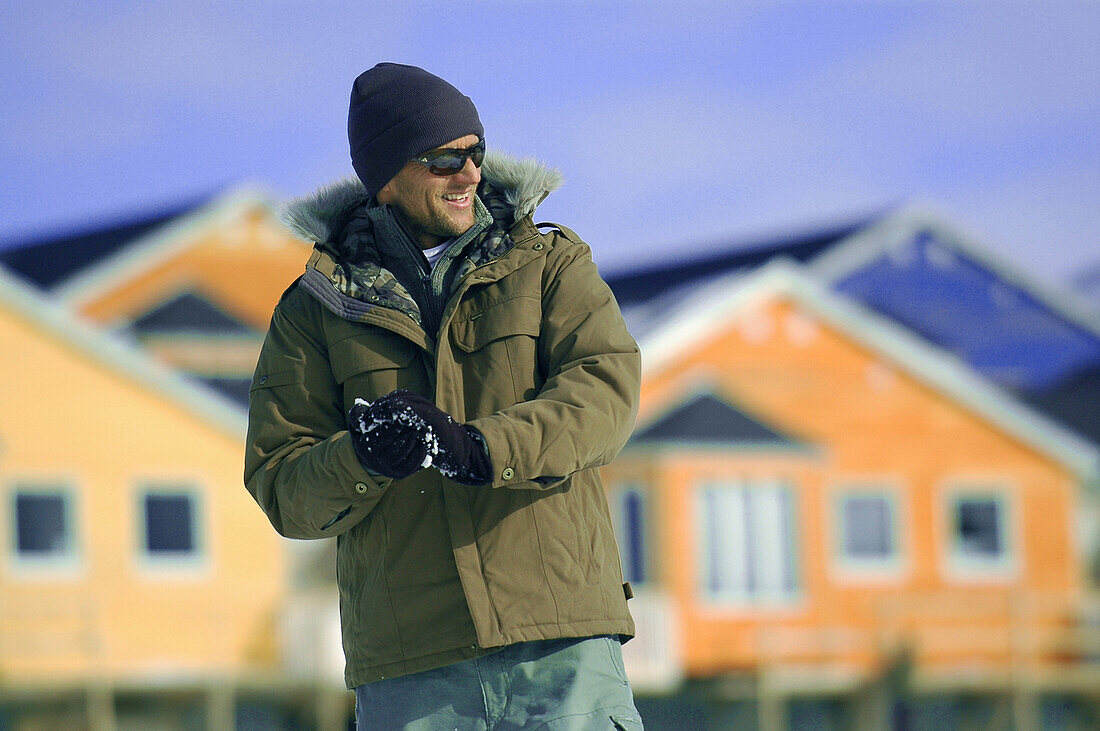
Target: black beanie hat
(398, 112)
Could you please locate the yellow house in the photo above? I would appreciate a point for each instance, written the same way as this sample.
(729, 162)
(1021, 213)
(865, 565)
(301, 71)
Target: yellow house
(132, 555)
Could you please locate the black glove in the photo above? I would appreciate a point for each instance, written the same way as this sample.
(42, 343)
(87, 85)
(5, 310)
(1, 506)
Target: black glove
(410, 429)
(386, 446)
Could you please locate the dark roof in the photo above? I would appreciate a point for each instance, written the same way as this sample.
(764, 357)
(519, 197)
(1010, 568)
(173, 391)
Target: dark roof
(707, 419)
(188, 313)
(999, 327)
(650, 281)
(48, 261)
(1074, 401)
(234, 389)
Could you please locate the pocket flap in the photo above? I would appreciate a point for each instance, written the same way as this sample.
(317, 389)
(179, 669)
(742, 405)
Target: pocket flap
(269, 380)
(356, 355)
(516, 316)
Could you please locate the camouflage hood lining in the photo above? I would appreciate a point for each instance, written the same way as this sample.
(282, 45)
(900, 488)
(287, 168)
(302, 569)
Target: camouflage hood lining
(511, 189)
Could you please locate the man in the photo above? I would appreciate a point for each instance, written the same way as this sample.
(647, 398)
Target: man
(437, 391)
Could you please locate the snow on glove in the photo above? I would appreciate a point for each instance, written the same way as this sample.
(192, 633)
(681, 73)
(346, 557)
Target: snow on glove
(386, 442)
(457, 450)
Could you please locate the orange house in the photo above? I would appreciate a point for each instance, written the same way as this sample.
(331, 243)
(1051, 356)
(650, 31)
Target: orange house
(813, 495)
(132, 556)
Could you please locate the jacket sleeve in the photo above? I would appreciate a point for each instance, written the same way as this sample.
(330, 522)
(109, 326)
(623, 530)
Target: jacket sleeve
(300, 465)
(585, 410)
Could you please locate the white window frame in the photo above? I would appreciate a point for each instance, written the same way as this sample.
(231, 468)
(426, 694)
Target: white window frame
(54, 565)
(976, 569)
(623, 531)
(168, 563)
(734, 599)
(868, 569)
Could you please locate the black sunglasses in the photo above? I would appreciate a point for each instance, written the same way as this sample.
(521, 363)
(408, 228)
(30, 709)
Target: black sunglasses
(450, 160)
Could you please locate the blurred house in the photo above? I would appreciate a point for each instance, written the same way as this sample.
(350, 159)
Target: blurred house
(194, 286)
(814, 494)
(135, 566)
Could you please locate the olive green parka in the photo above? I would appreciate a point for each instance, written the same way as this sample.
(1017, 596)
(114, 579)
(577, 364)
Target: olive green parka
(531, 349)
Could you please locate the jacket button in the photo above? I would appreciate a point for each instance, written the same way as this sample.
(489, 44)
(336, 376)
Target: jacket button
(360, 487)
(508, 473)
(537, 247)
(263, 380)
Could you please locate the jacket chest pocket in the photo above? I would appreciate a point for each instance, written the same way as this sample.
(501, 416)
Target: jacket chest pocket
(498, 347)
(368, 367)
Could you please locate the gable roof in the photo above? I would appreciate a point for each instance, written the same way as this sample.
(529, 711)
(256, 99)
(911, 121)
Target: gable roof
(711, 308)
(48, 261)
(707, 419)
(189, 312)
(935, 279)
(898, 228)
(834, 254)
(132, 362)
(654, 280)
(146, 252)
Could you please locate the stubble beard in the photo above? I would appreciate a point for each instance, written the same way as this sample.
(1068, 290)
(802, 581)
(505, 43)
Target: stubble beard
(441, 223)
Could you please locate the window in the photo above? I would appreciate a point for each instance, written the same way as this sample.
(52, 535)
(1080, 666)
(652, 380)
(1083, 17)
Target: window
(979, 540)
(979, 528)
(629, 518)
(747, 543)
(867, 527)
(43, 525)
(169, 530)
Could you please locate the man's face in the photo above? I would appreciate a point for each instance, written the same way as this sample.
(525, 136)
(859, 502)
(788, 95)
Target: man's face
(434, 207)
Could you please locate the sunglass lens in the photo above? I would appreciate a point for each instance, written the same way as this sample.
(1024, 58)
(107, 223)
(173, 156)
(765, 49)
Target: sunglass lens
(447, 163)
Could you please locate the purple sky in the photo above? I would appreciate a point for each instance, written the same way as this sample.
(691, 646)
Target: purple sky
(677, 125)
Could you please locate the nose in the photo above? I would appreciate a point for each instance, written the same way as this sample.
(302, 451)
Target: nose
(470, 174)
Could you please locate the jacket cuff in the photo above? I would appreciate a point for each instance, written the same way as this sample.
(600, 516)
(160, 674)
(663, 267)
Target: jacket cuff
(507, 471)
(354, 479)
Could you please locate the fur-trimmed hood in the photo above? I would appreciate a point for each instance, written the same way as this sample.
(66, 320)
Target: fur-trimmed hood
(520, 184)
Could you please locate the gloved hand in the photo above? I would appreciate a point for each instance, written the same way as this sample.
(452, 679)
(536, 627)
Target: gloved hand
(385, 443)
(402, 432)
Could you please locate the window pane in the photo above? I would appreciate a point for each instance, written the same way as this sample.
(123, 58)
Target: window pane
(41, 528)
(169, 524)
(978, 527)
(726, 539)
(771, 540)
(868, 528)
(634, 527)
(748, 541)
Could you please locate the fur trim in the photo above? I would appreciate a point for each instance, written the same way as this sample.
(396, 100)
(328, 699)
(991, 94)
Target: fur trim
(312, 216)
(523, 183)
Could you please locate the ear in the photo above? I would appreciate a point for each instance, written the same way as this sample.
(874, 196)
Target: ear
(385, 195)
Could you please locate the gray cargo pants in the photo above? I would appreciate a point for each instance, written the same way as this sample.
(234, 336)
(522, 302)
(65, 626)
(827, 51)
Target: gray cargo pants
(558, 685)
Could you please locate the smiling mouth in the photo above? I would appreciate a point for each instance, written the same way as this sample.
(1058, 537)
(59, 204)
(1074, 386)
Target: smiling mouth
(460, 200)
